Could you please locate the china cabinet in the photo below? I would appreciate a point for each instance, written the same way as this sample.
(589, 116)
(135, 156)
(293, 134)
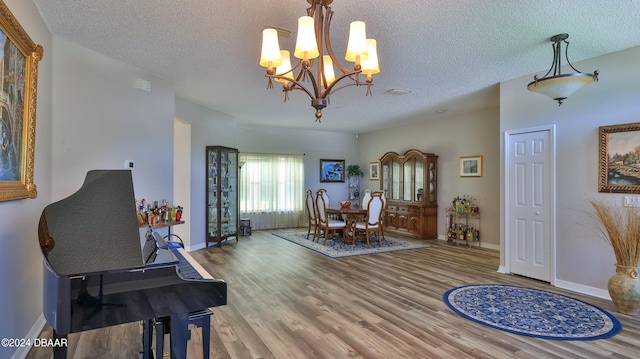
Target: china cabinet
(409, 183)
(222, 194)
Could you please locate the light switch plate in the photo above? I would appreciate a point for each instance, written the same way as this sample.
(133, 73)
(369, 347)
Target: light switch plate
(632, 201)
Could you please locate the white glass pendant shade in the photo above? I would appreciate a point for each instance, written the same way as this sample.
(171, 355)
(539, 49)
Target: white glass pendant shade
(328, 69)
(270, 56)
(306, 41)
(357, 45)
(561, 87)
(370, 66)
(285, 67)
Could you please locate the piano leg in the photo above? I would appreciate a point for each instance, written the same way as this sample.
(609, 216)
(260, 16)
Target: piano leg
(59, 351)
(179, 324)
(147, 332)
(206, 336)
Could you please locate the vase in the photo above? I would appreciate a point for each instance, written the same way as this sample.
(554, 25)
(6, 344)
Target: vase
(624, 289)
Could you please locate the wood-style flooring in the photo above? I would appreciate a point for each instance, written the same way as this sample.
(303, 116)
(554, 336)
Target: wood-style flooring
(285, 301)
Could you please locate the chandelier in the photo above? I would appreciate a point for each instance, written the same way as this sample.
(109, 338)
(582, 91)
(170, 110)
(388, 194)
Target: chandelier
(313, 29)
(559, 86)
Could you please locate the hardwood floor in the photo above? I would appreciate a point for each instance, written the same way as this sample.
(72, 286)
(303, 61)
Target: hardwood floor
(286, 301)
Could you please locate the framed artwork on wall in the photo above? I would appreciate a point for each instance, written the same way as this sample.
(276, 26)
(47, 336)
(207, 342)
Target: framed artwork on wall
(331, 170)
(619, 158)
(374, 173)
(471, 166)
(19, 58)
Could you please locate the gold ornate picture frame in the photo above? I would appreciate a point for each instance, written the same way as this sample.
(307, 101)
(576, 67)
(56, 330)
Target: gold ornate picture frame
(619, 158)
(471, 166)
(18, 93)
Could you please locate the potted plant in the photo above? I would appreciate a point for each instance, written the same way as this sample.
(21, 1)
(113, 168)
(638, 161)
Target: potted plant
(354, 170)
(620, 227)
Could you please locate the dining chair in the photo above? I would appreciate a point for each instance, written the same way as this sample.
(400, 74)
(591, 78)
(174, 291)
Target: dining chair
(326, 224)
(384, 212)
(373, 222)
(365, 198)
(327, 201)
(312, 215)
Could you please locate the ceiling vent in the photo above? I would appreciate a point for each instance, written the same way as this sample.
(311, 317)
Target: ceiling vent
(399, 91)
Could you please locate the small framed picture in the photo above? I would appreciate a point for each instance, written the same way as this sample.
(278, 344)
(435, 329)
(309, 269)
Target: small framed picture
(374, 173)
(331, 170)
(471, 166)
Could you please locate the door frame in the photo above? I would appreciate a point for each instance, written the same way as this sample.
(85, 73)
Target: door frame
(505, 246)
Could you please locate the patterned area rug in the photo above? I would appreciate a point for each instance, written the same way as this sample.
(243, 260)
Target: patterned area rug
(338, 249)
(532, 312)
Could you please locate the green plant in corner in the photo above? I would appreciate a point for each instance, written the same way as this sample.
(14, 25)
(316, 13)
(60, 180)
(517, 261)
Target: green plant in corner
(354, 170)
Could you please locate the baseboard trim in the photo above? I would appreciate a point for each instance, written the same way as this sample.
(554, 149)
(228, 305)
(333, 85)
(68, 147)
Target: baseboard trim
(32, 335)
(583, 289)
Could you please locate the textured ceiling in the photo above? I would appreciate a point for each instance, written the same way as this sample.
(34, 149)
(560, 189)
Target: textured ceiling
(450, 54)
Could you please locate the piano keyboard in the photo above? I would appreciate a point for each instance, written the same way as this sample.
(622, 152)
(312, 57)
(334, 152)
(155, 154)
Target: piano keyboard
(188, 267)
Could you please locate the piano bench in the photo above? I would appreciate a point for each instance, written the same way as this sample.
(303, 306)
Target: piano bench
(200, 319)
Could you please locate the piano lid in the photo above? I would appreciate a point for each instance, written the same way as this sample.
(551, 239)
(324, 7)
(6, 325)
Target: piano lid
(94, 229)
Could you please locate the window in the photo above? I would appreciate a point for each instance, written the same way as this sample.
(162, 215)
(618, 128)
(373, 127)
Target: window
(272, 190)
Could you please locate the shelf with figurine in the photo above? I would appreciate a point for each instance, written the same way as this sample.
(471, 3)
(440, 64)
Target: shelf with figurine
(463, 221)
(158, 215)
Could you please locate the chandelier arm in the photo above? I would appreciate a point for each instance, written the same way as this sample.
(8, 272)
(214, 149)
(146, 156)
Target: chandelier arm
(327, 40)
(328, 90)
(296, 85)
(566, 56)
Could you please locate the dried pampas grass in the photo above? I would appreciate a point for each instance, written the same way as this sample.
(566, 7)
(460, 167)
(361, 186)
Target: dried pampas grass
(620, 226)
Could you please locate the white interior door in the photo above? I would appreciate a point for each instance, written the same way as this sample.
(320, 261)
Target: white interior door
(531, 213)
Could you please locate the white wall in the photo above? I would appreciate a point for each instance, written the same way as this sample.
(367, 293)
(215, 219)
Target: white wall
(21, 258)
(181, 176)
(450, 138)
(584, 261)
(100, 120)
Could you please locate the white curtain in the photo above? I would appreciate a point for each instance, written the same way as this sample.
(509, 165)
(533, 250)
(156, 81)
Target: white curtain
(272, 190)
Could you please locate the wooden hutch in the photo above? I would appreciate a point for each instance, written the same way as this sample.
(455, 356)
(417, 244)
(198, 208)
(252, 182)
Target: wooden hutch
(410, 187)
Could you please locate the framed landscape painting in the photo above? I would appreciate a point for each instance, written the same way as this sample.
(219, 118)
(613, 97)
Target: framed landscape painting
(19, 58)
(619, 162)
(471, 166)
(331, 170)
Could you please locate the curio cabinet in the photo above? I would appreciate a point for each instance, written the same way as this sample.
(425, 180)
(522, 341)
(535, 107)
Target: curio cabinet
(222, 194)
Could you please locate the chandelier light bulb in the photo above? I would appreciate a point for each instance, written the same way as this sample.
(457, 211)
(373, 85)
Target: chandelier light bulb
(306, 43)
(270, 56)
(357, 48)
(285, 68)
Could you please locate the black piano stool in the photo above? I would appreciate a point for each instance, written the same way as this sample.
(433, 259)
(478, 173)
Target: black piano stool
(201, 319)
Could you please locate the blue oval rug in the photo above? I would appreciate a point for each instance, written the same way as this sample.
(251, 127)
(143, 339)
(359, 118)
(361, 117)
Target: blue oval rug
(532, 312)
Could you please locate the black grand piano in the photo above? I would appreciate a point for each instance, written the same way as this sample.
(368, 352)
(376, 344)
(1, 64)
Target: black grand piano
(96, 274)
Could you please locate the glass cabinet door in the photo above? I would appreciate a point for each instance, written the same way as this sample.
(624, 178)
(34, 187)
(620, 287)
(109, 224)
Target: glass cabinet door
(432, 182)
(385, 179)
(396, 177)
(419, 181)
(408, 183)
(212, 193)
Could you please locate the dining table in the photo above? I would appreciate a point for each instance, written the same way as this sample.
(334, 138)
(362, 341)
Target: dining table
(350, 214)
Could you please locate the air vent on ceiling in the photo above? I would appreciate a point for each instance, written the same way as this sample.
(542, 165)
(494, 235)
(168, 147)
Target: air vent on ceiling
(399, 91)
(281, 32)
